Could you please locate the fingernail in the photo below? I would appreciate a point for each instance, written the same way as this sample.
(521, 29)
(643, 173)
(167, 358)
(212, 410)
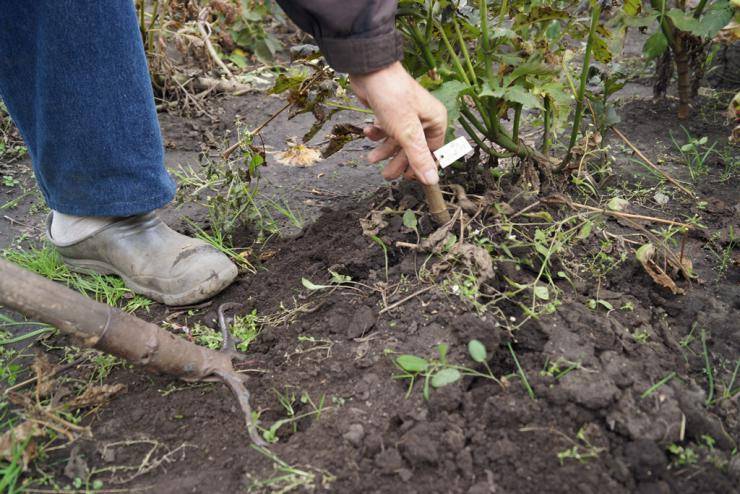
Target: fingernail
(431, 177)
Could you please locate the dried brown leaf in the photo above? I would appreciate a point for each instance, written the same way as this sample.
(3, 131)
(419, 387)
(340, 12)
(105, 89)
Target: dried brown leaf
(95, 395)
(299, 155)
(25, 432)
(645, 255)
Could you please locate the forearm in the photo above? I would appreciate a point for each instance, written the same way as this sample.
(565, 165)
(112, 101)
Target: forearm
(355, 36)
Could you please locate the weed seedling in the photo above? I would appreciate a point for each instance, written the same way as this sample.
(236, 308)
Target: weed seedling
(682, 456)
(693, 155)
(522, 374)
(288, 401)
(438, 372)
(657, 385)
(582, 451)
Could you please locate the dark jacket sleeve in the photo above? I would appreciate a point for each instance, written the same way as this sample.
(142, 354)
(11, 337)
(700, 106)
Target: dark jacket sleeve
(355, 36)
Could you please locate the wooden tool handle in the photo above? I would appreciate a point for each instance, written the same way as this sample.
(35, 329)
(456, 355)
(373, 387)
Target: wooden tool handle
(436, 203)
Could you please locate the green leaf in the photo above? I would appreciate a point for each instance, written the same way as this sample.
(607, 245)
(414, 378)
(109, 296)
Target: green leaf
(541, 292)
(491, 89)
(642, 21)
(645, 253)
(409, 219)
(442, 350)
(412, 363)
(552, 31)
(715, 18)
(445, 377)
(685, 22)
(477, 351)
(518, 94)
(448, 94)
(313, 286)
(339, 278)
(632, 7)
(585, 230)
(530, 67)
(601, 50)
(655, 45)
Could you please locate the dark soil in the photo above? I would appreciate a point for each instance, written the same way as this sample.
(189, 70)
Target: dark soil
(473, 436)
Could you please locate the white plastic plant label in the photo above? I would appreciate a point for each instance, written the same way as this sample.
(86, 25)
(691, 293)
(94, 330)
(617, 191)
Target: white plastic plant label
(452, 151)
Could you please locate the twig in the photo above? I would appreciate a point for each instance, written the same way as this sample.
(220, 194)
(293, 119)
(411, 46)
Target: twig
(256, 131)
(405, 299)
(205, 34)
(560, 198)
(652, 166)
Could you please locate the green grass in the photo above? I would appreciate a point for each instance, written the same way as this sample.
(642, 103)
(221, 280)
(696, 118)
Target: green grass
(220, 243)
(46, 262)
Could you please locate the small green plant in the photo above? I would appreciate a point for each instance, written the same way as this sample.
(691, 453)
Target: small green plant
(694, 154)
(10, 181)
(652, 389)
(288, 402)
(581, 451)
(682, 456)
(641, 336)
(289, 478)
(11, 471)
(729, 390)
(559, 368)
(219, 242)
(723, 255)
(438, 372)
(227, 188)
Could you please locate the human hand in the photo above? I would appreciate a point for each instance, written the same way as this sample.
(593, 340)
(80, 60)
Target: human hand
(410, 122)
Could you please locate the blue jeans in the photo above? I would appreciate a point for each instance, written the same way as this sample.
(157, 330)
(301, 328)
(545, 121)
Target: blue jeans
(73, 75)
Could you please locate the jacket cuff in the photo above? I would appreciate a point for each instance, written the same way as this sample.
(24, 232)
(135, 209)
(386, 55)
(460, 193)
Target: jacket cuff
(362, 55)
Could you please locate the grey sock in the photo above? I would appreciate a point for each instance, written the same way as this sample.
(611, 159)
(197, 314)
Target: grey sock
(66, 228)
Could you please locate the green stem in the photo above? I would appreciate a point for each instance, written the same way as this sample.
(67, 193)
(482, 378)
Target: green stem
(469, 115)
(699, 9)
(595, 14)
(517, 119)
(466, 55)
(485, 38)
(423, 46)
(504, 10)
(547, 125)
(455, 59)
(474, 135)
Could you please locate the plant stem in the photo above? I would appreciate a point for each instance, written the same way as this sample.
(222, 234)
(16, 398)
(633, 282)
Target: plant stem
(683, 76)
(473, 135)
(517, 119)
(522, 375)
(699, 9)
(455, 59)
(547, 125)
(423, 46)
(595, 14)
(466, 55)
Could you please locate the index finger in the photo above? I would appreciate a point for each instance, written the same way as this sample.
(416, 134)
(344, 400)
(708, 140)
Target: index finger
(414, 143)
